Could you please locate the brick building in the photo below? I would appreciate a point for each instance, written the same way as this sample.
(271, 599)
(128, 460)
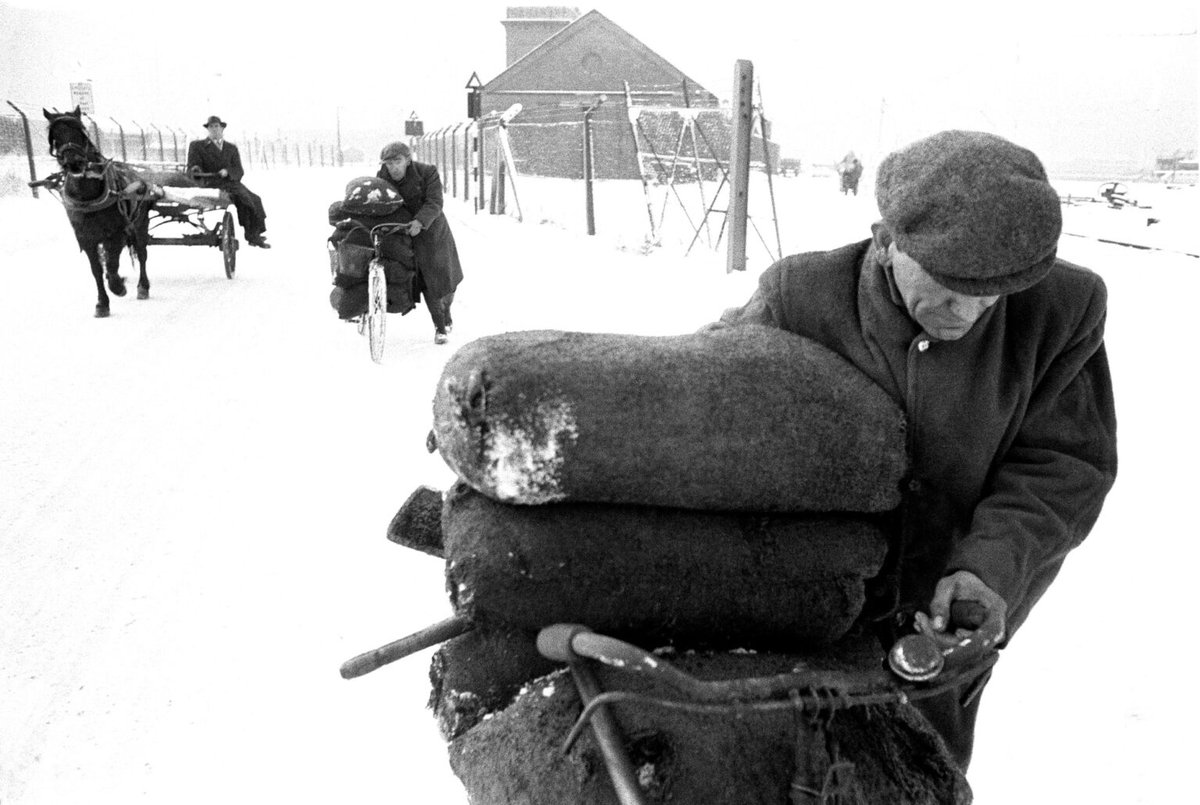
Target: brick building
(561, 63)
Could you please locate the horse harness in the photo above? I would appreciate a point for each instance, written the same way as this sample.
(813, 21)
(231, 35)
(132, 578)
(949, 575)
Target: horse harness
(117, 189)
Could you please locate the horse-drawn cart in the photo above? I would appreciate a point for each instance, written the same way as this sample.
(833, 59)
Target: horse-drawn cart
(193, 209)
(114, 206)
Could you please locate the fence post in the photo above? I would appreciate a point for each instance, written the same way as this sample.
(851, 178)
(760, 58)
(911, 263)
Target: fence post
(186, 143)
(121, 134)
(454, 160)
(482, 167)
(162, 157)
(96, 133)
(145, 154)
(466, 161)
(28, 147)
(445, 134)
(500, 181)
(589, 166)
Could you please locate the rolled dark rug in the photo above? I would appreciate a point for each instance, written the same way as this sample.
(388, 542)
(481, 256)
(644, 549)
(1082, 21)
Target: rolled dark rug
(418, 522)
(860, 754)
(742, 419)
(479, 673)
(660, 576)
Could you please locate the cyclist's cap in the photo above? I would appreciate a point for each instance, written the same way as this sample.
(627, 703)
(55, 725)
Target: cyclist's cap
(394, 150)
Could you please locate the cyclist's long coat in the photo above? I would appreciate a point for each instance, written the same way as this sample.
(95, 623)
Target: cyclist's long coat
(436, 252)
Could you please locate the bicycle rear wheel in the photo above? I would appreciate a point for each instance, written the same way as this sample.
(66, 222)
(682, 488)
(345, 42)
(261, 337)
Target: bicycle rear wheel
(376, 309)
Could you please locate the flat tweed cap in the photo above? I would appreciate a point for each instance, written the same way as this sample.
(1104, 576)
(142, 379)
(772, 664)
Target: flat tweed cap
(975, 210)
(394, 151)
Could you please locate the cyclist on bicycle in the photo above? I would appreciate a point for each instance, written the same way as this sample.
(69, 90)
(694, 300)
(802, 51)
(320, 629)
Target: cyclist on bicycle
(368, 202)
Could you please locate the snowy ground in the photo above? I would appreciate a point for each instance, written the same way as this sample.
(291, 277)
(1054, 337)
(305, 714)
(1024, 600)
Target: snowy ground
(195, 495)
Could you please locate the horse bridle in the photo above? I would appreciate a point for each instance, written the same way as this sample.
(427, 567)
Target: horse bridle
(65, 153)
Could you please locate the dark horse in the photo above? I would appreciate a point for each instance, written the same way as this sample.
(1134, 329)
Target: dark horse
(107, 204)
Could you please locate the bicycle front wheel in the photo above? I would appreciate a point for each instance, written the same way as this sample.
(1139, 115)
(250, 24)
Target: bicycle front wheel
(376, 309)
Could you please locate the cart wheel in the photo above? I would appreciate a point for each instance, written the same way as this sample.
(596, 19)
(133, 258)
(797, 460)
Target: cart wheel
(229, 244)
(376, 309)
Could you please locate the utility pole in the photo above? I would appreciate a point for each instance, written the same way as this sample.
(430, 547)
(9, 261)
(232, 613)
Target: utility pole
(338, 114)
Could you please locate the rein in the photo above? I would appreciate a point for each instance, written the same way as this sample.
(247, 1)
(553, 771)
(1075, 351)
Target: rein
(117, 188)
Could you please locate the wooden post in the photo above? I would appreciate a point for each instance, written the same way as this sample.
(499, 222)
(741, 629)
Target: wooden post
(739, 164)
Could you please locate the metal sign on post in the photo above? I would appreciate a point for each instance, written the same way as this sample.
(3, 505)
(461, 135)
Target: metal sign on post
(414, 127)
(81, 96)
(474, 97)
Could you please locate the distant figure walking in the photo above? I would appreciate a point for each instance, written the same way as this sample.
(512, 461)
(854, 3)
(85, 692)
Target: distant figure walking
(850, 169)
(214, 155)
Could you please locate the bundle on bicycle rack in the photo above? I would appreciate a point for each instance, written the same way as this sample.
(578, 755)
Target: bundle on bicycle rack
(723, 496)
(368, 207)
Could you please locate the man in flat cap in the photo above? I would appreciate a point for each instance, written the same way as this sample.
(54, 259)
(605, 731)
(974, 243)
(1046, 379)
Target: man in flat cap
(958, 307)
(216, 156)
(438, 269)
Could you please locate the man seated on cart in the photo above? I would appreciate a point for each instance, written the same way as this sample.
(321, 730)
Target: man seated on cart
(215, 156)
(369, 202)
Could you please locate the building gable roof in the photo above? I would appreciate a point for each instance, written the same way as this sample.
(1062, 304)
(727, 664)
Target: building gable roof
(591, 54)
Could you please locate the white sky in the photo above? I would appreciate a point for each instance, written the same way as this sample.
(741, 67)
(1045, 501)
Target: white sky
(824, 69)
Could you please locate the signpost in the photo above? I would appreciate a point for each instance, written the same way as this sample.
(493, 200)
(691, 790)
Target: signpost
(474, 97)
(81, 96)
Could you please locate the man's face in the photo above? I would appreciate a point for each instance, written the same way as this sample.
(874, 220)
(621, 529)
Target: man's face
(396, 167)
(215, 130)
(945, 314)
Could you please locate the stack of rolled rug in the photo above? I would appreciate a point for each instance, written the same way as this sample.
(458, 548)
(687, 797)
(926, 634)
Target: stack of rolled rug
(721, 498)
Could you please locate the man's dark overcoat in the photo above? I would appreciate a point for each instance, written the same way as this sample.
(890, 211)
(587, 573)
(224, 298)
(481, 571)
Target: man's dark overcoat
(436, 254)
(1011, 429)
(208, 158)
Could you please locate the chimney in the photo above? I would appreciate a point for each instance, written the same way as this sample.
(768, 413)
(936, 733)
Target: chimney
(526, 27)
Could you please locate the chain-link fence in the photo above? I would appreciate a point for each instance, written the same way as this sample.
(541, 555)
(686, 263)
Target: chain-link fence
(25, 151)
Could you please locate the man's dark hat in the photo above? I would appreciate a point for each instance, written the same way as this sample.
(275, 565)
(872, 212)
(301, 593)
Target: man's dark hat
(975, 210)
(214, 119)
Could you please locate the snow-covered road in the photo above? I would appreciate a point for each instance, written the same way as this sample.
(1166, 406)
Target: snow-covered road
(195, 493)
